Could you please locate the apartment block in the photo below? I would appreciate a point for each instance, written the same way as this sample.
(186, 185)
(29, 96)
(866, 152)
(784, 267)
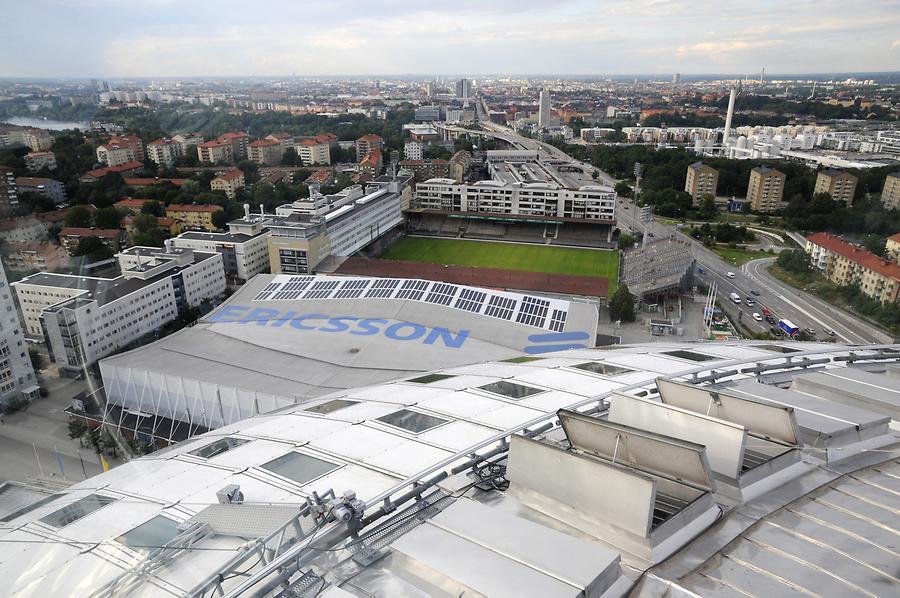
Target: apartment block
(459, 165)
(244, 248)
(9, 192)
(764, 193)
(846, 264)
(839, 184)
(164, 152)
(265, 152)
(49, 188)
(367, 144)
(239, 143)
(414, 150)
(426, 169)
(313, 152)
(216, 152)
(126, 169)
(84, 319)
(892, 247)
(121, 149)
(113, 238)
(229, 182)
(187, 141)
(701, 180)
(35, 161)
(17, 379)
(371, 164)
(890, 193)
(194, 216)
(285, 139)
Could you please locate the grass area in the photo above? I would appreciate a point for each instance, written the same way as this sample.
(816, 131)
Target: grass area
(739, 257)
(509, 256)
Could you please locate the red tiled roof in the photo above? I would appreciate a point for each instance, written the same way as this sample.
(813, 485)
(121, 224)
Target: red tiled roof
(280, 135)
(215, 143)
(370, 137)
(372, 158)
(14, 223)
(100, 172)
(131, 202)
(230, 175)
(192, 208)
(325, 137)
(895, 238)
(233, 135)
(311, 142)
(145, 182)
(264, 143)
(109, 233)
(867, 260)
(319, 176)
(27, 181)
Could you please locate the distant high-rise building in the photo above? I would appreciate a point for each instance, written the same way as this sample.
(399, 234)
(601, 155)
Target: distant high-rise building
(701, 180)
(464, 90)
(429, 90)
(890, 194)
(676, 78)
(544, 110)
(765, 189)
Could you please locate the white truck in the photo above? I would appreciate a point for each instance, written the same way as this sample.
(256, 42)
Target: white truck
(736, 298)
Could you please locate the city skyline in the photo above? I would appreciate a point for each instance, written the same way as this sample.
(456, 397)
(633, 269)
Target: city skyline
(162, 38)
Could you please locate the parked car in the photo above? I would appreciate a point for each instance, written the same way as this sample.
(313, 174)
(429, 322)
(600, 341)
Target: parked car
(757, 317)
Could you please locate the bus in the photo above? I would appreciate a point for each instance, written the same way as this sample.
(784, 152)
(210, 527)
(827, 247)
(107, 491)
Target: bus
(788, 327)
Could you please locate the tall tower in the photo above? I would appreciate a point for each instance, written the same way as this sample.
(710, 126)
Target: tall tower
(544, 110)
(728, 117)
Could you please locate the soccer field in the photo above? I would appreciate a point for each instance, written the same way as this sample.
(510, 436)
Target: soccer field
(510, 256)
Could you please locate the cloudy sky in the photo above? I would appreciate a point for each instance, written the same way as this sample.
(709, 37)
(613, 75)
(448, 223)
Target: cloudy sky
(119, 38)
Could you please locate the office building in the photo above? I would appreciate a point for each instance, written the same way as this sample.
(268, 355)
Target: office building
(492, 477)
(193, 215)
(847, 264)
(464, 90)
(265, 152)
(216, 152)
(765, 189)
(839, 184)
(35, 161)
(70, 237)
(890, 193)
(164, 152)
(367, 144)
(326, 226)
(244, 248)
(83, 319)
(544, 110)
(49, 188)
(18, 384)
(314, 152)
(701, 180)
(414, 150)
(428, 113)
(229, 182)
(9, 192)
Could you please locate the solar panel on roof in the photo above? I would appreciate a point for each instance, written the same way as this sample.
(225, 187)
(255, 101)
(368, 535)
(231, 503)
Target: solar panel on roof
(470, 300)
(412, 289)
(351, 289)
(441, 293)
(321, 289)
(500, 307)
(382, 288)
(558, 320)
(533, 311)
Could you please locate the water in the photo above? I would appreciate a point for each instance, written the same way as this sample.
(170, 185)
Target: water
(40, 123)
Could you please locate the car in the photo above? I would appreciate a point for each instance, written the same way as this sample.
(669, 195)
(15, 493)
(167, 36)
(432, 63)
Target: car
(809, 330)
(770, 319)
(776, 331)
(750, 302)
(757, 317)
(828, 331)
(766, 311)
(701, 270)
(729, 274)
(755, 293)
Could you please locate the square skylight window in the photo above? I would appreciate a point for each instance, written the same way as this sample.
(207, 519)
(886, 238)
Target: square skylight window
(412, 421)
(690, 355)
(330, 406)
(602, 368)
(151, 534)
(75, 511)
(300, 467)
(429, 378)
(218, 447)
(511, 390)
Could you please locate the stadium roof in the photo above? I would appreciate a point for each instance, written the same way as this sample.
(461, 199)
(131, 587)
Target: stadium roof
(518, 497)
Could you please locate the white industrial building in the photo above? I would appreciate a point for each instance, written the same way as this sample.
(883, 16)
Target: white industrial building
(17, 379)
(688, 469)
(83, 319)
(244, 248)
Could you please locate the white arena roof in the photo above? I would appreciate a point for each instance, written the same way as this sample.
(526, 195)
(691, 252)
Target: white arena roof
(660, 469)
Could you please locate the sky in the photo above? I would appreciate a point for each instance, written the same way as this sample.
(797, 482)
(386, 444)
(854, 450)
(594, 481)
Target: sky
(185, 38)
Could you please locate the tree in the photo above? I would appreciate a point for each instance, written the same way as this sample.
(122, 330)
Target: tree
(621, 306)
(289, 157)
(625, 242)
(37, 360)
(107, 218)
(875, 244)
(93, 248)
(794, 260)
(707, 207)
(78, 217)
(623, 189)
(154, 208)
(76, 428)
(220, 219)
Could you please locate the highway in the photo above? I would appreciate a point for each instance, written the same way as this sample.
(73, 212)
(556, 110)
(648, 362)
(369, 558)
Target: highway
(780, 299)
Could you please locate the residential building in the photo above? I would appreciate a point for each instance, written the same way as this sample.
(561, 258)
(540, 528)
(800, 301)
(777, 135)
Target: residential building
(17, 378)
(285, 139)
(366, 144)
(459, 165)
(147, 182)
(765, 189)
(892, 247)
(26, 229)
(38, 140)
(265, 152)
(544, 110)
(194, 216)
(187, 141)
(426, 169)
(300, 241)
(49, 188)
(320, 177)
(592, 134)
(35, 161)
(701, 180)
(121, 149)
(890, 193)
(9, 194)
(846, 264)
(83, 319)
(229, 182)
(239, 142)
(164, 152)
(459, 115)
(133, 205)
(371, 164)
(839, 184)
(244, 248)
(216, 152)
(30, 257)
(126, 169)
(314, 151)
(113, 238)
(414, 150)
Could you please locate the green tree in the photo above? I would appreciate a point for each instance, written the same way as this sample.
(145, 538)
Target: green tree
(107, 218)
(875, 244)
(76, 428)
(37, 360)
(625, 242)
(220, 219)
(621, 306)
(289, 157)
(154, 208)
(78, 217)
(93, 248)
(794, 260)
(623, 189)
(707, 207)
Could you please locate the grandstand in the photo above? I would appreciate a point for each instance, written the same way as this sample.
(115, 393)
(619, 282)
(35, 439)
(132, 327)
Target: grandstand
(659, 269)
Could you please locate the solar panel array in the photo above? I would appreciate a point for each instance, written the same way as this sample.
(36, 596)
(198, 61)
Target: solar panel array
(539, 312)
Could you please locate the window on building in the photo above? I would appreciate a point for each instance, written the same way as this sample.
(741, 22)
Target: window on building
(511, 390)
(330, 406)
(218, 447)
(152, 534)
(77, 510)
(412, 421)
(602, 368)
(300, 467)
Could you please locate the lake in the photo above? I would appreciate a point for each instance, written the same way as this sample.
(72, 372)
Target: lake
(40, 123)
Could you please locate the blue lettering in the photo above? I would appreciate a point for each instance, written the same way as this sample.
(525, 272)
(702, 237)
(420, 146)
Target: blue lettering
(338, 324)
(366, 327)
(298, 321)
(447, 337)
(224, 313)
(393, 331)
(260, 315)
(283, 319)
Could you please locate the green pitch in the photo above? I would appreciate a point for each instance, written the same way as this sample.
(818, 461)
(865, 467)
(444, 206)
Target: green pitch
(510, 256)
